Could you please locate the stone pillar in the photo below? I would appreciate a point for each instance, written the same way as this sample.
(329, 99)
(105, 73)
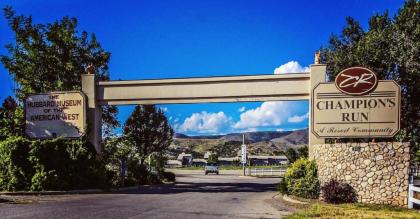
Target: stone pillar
(378, 172)
(93, 111)
(318, 74)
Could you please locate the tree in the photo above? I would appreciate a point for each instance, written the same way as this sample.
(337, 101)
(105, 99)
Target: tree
(291, 155)
(213, 158)
(11, 119)
(118, 154)
(390, 47)
(148, 130)
(52, 57)
(303, 152)
(228, 148)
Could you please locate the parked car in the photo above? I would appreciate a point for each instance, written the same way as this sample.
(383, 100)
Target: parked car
(211, 168)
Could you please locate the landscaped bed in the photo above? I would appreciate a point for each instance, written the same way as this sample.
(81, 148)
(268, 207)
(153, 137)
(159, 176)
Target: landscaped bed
(317, 209)
(300, 183)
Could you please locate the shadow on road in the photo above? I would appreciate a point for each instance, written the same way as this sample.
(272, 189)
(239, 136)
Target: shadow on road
(203, 188)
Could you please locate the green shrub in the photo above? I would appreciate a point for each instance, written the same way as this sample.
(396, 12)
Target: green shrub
(62, 164)
(152, 179)
(337, 192)
(282, 187)
(168, 176)
(301, 179)
(45, 180)
(16, 170)
(56, 164)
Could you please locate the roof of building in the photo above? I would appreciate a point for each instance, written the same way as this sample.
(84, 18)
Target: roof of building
(228, 158)
(207, 154)
(182, 155)
(173, 162)
(282, 157)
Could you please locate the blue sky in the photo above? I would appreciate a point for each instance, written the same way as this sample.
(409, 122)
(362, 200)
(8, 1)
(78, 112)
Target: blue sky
(173, 39)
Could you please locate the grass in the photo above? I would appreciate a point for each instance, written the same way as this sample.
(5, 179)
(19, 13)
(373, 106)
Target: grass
(353, 211)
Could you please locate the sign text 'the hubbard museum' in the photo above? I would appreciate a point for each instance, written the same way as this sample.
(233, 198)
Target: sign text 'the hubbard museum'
(55, 114)
(357, 105)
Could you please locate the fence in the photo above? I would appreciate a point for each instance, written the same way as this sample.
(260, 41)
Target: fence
(415, 171)
(411, 200)
(266, 171)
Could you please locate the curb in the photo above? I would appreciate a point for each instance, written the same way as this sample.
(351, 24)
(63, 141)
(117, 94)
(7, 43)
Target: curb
(87, 191)
(293, 201)
(74, 192)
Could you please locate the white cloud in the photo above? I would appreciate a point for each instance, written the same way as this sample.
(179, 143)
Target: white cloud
(205, 122)
(280, 130)
(297, 119)
(291, 67)
(176, 120)
(170, 118)
(176, 127)
(268, 114)
(164, 109)
(242, 109)
(253, 129)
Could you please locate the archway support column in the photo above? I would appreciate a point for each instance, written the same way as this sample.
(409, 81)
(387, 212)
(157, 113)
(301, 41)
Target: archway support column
(317, 74)
(93, 111)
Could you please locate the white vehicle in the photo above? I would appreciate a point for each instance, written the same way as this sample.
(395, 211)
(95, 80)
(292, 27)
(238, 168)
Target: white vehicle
(211, 168)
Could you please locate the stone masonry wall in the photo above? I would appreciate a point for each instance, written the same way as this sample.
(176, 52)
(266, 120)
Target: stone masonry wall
(377, 171)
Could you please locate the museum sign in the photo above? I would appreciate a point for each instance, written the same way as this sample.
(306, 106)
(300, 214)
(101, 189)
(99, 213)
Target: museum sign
(356, 105)
(55, 114)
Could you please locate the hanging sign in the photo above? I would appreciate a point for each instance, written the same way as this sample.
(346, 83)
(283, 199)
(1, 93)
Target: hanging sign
(55, 114)
(243, 152)
(357, 105)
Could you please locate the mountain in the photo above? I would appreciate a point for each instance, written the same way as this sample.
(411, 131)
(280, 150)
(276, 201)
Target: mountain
(260, 143)
(179, 135)
(294, 138)
(253, 137)
(285, 137)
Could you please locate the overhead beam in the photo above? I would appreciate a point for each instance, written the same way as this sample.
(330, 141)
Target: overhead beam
(204, 90)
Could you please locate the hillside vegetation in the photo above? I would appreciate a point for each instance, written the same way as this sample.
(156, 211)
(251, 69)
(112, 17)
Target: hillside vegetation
(229, 145)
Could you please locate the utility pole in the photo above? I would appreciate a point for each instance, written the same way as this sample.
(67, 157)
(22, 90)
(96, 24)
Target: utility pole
(243, 150)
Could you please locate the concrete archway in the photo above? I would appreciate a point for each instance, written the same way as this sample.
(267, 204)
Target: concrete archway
(293, 86)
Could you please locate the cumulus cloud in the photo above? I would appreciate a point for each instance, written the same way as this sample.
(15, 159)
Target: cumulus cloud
(242, 109)
(205, 122)
(164, 109)
(268, 114)
(291, 67)
(297, 119)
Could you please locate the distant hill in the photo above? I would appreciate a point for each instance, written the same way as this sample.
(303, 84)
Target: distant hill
(293, 138)
(179, 135)
(261, 143)
(253, 137)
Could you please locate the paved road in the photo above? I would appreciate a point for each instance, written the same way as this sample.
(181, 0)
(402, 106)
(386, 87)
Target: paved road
(193, 196)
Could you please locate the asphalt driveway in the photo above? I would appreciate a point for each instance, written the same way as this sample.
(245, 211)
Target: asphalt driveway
(194, 195)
